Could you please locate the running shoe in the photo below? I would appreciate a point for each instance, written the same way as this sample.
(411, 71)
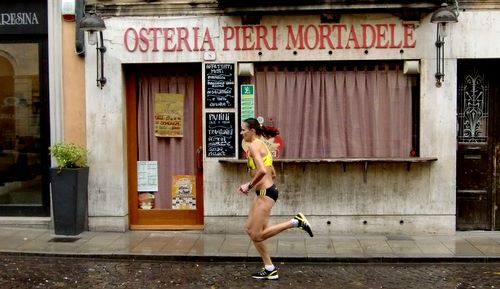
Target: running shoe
(303, 223)
(264, 274)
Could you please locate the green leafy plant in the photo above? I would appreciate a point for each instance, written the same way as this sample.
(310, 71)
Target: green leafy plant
(69, 155)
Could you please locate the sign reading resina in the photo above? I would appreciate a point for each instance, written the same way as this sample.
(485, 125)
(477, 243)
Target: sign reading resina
(29, 17)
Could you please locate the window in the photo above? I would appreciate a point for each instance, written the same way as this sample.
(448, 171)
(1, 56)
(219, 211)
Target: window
(473, 108)
(21, 147)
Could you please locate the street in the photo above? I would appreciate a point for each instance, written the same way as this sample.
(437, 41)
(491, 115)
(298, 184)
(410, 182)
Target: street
(25, 271)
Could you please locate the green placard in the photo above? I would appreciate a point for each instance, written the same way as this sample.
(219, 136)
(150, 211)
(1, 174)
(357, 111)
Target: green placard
(247, 101)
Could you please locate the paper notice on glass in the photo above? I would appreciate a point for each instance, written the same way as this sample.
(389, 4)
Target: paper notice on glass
(184, 192)
(247, 101)
(147, 176)
(169, 114)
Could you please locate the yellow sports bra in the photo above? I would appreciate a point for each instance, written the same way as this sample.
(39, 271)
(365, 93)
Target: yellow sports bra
(267, 159)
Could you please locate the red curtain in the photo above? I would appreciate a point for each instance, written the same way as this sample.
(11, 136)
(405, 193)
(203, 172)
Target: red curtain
(330, 112)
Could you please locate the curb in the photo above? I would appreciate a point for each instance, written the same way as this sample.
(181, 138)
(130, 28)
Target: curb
(251, 259)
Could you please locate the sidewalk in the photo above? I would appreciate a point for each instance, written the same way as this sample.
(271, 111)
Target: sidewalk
(293, 245)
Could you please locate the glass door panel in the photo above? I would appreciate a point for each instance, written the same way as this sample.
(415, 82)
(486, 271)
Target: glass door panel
(20, 108)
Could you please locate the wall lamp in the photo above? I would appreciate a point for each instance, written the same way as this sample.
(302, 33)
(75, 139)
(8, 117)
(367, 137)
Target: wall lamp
(94, 25)
(442, 17)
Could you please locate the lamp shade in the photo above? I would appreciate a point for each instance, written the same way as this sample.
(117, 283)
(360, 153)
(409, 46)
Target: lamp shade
(444, 14)
(92, 22)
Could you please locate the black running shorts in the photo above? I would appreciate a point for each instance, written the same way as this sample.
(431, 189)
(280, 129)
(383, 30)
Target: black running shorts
(271, 192)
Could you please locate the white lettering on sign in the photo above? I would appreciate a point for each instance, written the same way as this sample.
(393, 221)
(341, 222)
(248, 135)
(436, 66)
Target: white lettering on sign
(20, 18)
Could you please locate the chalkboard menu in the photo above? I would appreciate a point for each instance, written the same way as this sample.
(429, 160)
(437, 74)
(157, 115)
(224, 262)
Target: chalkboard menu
(219, 85)
(220, 134)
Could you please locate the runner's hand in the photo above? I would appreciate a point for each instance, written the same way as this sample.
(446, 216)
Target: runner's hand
(244, 189)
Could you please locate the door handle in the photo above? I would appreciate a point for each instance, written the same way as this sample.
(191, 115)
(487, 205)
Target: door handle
(199, 158)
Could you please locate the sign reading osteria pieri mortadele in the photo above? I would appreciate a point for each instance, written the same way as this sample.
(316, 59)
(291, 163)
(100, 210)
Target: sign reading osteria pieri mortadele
(169, 115)
(372, 34)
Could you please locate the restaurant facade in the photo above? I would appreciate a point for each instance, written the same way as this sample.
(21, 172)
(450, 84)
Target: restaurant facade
(380, 123)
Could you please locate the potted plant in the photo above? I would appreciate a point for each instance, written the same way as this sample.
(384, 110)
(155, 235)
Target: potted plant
(69, 181)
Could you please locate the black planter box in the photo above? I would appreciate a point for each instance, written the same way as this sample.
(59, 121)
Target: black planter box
(69, 200)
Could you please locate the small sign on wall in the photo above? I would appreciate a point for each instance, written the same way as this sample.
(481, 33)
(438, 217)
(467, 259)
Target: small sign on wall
(219, 85)
(184, 192)
(220, 134)
(247, 101)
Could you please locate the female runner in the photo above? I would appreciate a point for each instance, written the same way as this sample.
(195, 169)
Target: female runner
(260, 165)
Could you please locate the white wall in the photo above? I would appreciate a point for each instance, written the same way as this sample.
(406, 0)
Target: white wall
(106, 141)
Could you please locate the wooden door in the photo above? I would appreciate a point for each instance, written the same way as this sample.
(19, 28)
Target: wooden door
(477, 145)
(156, 93)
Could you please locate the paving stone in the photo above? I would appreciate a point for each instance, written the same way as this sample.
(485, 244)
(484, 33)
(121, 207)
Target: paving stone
(36, 271)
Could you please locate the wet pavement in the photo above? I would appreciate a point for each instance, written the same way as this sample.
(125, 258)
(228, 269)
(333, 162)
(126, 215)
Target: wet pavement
(36, 258)
(35, 271)
(479, 246)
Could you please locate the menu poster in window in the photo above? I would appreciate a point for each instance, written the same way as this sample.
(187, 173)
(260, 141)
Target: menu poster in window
(147, 176)
(169, 115)
(220, 134)
(184, 192)
(219, 85)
